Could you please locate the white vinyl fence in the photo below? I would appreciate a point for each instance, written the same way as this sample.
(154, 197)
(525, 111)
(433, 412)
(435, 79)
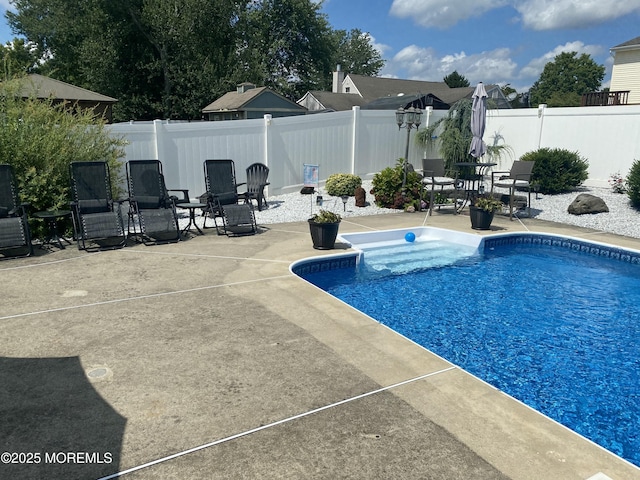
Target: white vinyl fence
(364, 142)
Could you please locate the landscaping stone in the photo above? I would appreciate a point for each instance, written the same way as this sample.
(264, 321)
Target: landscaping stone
(587, 203)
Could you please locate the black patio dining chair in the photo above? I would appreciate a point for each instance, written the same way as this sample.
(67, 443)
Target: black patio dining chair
(516, 179)
(223, 200)
(97, 218)
(257, 175)
(434, 175)
(151, 206)
(15, 236)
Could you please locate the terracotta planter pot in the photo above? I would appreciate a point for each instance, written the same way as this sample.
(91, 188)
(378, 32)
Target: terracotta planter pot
(480, 219)
(323, 235)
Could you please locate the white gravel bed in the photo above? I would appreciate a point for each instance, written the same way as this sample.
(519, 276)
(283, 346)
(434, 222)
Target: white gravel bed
(295, 207)
(621, 219)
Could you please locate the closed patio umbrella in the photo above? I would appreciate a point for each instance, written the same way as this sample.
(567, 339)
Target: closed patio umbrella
(478, 120)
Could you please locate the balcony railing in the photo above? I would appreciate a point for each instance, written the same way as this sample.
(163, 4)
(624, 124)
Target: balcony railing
(594, 99)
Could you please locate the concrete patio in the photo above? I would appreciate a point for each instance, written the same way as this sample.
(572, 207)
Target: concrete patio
(208, 359)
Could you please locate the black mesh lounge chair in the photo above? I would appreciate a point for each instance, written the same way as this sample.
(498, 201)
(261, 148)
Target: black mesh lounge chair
(150, 203)
(222, 199)
(15, 239)
(97, 220)
(257, 174)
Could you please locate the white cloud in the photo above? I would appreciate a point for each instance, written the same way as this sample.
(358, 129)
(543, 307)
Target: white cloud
(534, 14)
(424, 64)
(534, 68)
(442, 13)
(380, 47)
(6, 5)
(557, 14)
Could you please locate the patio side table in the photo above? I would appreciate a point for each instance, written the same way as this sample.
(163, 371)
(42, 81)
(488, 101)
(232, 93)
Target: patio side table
(192, 215)
(51, 217)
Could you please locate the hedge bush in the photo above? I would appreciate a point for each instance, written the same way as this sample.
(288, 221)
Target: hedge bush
(387, 188)
(40, 138)
(340, 184)
(557, 170)
(633, 184)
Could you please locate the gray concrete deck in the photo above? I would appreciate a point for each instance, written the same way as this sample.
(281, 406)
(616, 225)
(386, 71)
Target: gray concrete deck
(211, 346)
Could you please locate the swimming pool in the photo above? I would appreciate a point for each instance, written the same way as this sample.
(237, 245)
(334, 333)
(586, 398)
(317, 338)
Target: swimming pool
(552, 321)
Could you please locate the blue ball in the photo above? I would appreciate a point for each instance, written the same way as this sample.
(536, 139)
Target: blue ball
(410, 237)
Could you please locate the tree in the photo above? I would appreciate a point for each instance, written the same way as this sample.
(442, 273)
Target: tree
(564, 80)
(161, 59)
(455, 80)
(169, 58)
(18, 57)
(40, 138)
(355, 53)
(286, 45)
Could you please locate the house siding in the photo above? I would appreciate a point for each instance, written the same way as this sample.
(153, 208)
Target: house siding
(310, 102)
(625, 74)
(349, 87)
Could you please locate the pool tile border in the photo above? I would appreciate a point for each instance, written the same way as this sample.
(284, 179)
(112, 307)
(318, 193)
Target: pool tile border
(324, 264)
(350, 260)
(580, 246)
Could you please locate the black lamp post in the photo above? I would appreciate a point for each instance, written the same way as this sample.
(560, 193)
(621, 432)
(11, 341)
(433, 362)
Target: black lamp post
(407, 118)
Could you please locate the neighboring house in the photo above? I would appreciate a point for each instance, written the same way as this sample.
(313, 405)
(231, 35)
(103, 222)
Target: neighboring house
(392, 93)
(251, 102)
(61, 92)
(625, 75)
(322, 101)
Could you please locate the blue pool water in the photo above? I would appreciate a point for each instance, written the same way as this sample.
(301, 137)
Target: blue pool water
(555, 327)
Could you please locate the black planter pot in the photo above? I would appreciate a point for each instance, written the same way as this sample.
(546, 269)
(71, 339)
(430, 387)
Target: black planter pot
(323, 235)
(480, 219)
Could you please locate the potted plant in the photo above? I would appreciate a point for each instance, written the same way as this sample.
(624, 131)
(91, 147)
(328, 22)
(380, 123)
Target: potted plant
(324, 229)
(482, 210)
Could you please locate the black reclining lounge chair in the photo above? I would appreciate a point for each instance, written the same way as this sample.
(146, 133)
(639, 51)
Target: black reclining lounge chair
(222, 199)
(97, 219)
(151, 205)
(15, 238)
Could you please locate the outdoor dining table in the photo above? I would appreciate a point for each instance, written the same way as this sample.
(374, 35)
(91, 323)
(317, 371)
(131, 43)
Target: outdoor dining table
(473, 186)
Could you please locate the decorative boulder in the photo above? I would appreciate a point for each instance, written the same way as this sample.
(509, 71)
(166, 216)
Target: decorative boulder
(586, 203)
(361, 197)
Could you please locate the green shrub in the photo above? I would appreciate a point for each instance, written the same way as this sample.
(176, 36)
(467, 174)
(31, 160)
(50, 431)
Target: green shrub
(340, 184)
(387, 188)
(633, 184)
(40, 139)
(325, 216)
(557, 170)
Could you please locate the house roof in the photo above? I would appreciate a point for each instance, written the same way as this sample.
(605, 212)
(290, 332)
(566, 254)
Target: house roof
(233, 100)
(337, 101)
(375, 88)
(629, 44)
(372, 88)
(239, 101)
(46, 87)
(405, 101)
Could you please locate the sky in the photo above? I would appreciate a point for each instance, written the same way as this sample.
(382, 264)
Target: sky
(491, 41)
